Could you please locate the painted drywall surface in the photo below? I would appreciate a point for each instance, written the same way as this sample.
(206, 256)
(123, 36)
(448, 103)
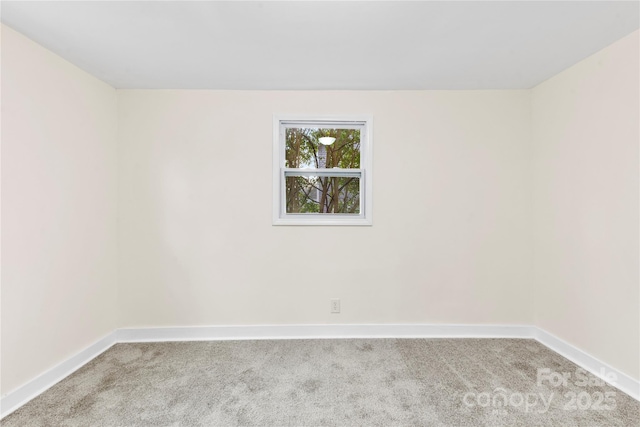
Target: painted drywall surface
(450, 240)
(585, 162)
(58, 209)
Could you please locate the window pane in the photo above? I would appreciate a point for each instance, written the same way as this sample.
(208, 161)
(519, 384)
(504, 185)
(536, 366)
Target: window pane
(314, 194)
(304, 150)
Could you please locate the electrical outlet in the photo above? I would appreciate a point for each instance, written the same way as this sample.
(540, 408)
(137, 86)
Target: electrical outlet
(335, 305)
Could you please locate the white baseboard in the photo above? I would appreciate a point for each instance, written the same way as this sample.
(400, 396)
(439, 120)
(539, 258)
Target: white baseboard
(591, 364)
(33, 388)
(46, 380)
(206, 333)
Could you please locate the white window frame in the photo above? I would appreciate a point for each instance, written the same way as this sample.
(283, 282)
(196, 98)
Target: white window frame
(280, 215)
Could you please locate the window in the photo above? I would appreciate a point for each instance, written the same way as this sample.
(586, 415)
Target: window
(322, 171)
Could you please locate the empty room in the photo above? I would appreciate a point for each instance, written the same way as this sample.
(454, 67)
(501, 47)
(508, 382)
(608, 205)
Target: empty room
(320, 213)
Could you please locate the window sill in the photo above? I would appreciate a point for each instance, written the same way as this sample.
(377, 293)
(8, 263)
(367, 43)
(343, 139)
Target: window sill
(323, 221)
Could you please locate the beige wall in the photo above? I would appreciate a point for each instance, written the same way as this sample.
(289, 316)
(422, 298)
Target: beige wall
(586, 257)
(58, 210)
(450, 240)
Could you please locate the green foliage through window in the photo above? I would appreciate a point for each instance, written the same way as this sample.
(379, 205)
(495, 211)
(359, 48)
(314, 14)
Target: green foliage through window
(322, 194)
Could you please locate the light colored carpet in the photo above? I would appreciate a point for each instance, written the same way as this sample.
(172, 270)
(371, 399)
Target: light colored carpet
(354, 382)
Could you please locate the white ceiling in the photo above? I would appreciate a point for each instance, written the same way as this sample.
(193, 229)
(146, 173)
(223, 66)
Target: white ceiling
(323, 44)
